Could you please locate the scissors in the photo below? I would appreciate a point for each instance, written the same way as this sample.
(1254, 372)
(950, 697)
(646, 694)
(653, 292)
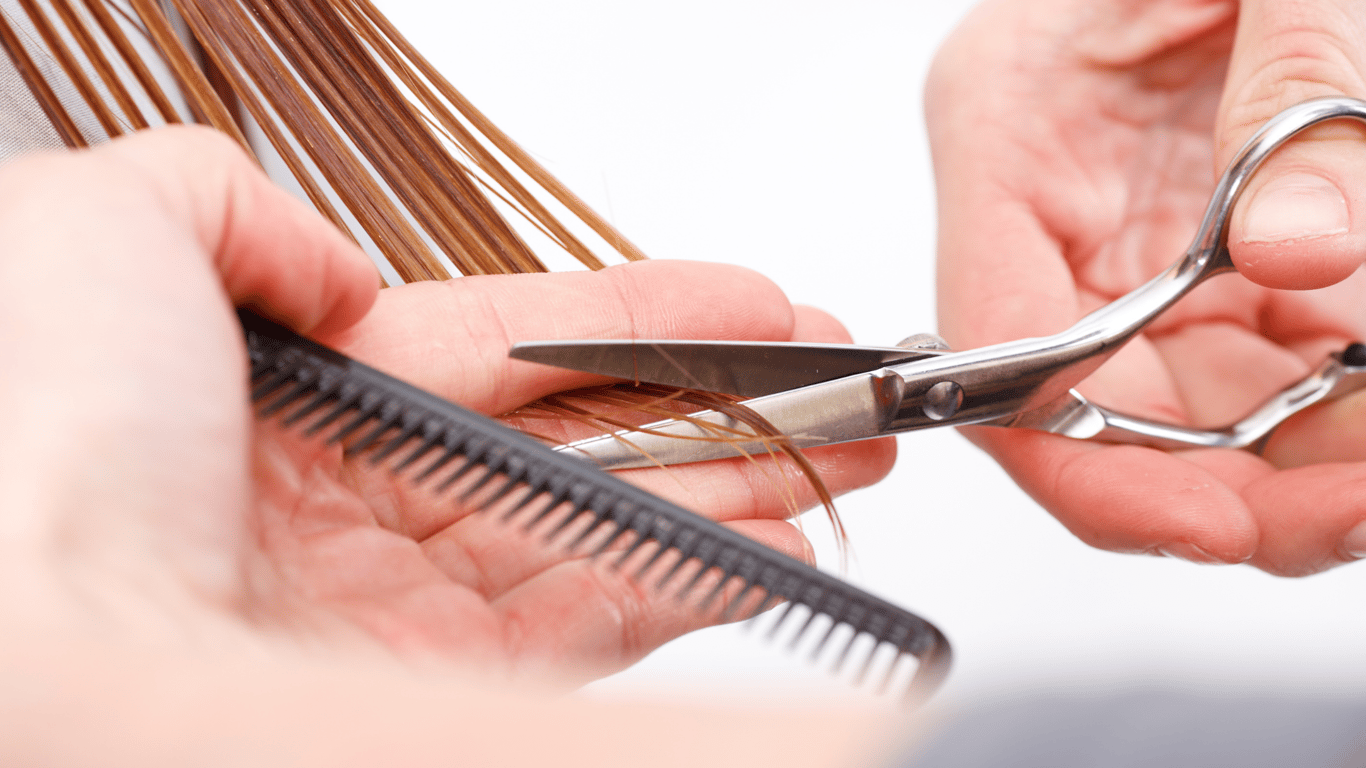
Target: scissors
(830, 393)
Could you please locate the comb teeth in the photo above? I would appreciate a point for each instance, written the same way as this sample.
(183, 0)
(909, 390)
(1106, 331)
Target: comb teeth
(296, 379)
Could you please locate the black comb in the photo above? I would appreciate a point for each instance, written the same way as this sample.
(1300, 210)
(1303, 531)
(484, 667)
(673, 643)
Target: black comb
(307, 383)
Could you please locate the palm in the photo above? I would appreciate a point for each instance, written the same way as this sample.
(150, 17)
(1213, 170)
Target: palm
(147, 500)
(429, 576)
(1141, 181)
(1101, 185)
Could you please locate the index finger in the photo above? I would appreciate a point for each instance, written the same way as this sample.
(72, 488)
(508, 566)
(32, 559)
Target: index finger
(452, 338)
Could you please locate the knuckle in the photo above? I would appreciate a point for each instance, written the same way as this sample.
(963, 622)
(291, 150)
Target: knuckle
(1300, 62)
(681, 299)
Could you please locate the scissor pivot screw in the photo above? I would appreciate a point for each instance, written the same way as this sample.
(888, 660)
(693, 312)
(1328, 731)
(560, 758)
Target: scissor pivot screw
(942, 401)
(923, 341)
(1354, 355)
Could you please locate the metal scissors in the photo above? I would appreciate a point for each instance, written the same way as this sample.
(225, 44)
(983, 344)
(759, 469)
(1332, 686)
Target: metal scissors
(826, 394)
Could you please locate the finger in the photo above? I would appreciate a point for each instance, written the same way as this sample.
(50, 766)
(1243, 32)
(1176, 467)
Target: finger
(1131, 499)
(417, 598)
(122, 253)
(1002, 194)
(1314, 323)
(494, 556)
(1224, 371)
(452, 338)
(815, 326)
(585, 617)
(1137, 380)
(765, 487)
(747, 484)
(140, 214)
(273, 252)
(1333, 432)
(380, 582)
(1312, 518)
(1000, 275)
(1301, 223)
(1314, 514)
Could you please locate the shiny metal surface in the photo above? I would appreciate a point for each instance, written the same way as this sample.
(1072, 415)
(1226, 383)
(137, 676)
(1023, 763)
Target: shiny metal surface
(1075, 416)
(851, 408)
(924, 341)
(1027, 383)
(745, 368)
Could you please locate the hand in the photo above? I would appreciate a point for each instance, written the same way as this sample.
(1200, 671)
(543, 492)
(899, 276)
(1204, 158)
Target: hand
(1075, 145)
(533, 606)
(147, 499)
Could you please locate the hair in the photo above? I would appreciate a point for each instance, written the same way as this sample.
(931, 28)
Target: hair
(380, 143)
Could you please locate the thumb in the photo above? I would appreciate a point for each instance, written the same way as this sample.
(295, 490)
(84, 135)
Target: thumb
(271, 252)
(1301, 222)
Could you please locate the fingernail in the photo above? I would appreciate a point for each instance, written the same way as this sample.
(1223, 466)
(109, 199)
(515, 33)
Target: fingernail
(1354, 543)
(1185, 551)
(1294, 207)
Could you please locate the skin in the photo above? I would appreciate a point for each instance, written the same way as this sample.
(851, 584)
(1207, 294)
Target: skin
(174, 571)
(1075, 145)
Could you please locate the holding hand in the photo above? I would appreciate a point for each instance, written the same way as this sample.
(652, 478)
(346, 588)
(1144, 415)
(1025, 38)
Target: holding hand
(145, 500)
(1075, 147)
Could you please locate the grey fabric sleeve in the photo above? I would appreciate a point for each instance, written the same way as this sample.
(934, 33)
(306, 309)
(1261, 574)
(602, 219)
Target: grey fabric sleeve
(1152, 728)
(24, 127)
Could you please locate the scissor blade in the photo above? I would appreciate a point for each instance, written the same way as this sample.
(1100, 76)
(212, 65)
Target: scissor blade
(852, 408)
(744, 368)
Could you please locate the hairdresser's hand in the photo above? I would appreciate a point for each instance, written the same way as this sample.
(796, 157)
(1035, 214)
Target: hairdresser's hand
(1075, 144)
(142, 500)
(532, 603)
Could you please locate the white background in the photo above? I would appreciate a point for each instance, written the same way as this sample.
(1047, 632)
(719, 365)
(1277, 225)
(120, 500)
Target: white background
(787, 136)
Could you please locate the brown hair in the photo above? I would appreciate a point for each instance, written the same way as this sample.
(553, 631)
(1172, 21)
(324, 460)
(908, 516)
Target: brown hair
(378, 140)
